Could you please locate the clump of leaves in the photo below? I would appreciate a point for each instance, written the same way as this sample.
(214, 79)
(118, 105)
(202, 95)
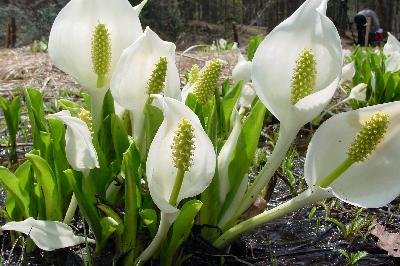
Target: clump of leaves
(352, 258)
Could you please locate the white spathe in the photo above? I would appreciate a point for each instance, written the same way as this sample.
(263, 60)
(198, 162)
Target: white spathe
(247, 96)
(70, 40)
(242, 70)
(359, 92)
(47, 235)
(134, 70)
(160, 170)
(79, 148)
(348, 72)
(370, 184)
(274, 63)
(392, 52)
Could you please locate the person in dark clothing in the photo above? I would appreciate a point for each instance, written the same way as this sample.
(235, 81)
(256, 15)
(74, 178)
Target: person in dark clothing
(361, 20)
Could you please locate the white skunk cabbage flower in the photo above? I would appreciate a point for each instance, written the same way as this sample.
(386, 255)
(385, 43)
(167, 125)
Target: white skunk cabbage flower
(147, 62)
(87, 39)
(79, 148)
(47, 235)
(297, 67)
(194, 155)
(73, 36)
(246, 98)
(295, 72)
(358, 93)
(348, 72)
(242, 70)
(222, 43)
(372, 179)
(392, 52)
(353, 156)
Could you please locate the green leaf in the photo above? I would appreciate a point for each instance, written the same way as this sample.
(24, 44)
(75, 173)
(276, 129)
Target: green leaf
(120, 138)
(153, 118)
(26, 181)
(73, 107)
(253, 46)
(35, 108)
(149, 218)
(196, 107)
(229, 102)
(59, 160)
(246, 146)
(105, 138)
(212, 128)
(181, 230)
(87, 204)
(356, 257)
(19, 202)
(48, 183)
(108, 227)
(12, 114)
(108, 105)
(130, 171)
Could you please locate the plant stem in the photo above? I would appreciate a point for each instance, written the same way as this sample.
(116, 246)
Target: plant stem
(177, 187)
(96, 105)
(286, 137)
(71, 210)
(326, 181)
(305, 198)
(157, 240)
(165, 222)
(332, 107)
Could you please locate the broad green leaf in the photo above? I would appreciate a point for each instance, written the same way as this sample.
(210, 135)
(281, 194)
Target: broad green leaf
(244, 151)
(48, 183)
(26, 180)
(120, 138)
(181, 229)
(73, 107)
(153, 118)
(229, 102)
(130, 171)
(149, 218)
(108, 105)
(35, 108)
(12, 114)
(20, 199)
(86, 202)
(253, 45)
(60, 162)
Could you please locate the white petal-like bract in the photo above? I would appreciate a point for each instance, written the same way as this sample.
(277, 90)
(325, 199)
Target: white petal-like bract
(134, 70)
(160, 170)
(47, 235)
(70, 41)
(275, 59)
(79, 148)
(372, 183)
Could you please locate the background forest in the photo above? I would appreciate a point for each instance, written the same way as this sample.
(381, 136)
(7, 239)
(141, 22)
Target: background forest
(183, 21)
